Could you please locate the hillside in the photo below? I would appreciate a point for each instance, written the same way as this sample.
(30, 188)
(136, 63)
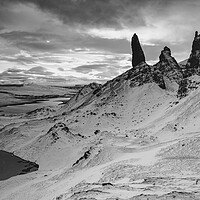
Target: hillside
(135, 137)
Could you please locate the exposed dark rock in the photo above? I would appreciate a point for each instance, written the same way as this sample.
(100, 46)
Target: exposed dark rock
(61, 130)
(167, 66)
(143, 73)
(107, 184)
(185, 86)
(58, 126)
(84, 157)
(137, 52)
(193, 64)
(196, 43)
(167, 74)
(96, 132)
(140, 75)
(158, 78)
(165, 53)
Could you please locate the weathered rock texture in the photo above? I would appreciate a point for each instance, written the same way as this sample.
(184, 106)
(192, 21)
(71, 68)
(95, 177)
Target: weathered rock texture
(137, 52)
(193, 64)
(168, 66)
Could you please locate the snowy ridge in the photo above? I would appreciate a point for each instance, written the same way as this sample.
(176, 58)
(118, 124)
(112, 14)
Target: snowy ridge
(132, 138)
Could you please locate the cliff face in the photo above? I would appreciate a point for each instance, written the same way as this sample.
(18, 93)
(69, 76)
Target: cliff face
(167, 74)
(168, 66)
(137, 52)
(193, 64)
(167, 71)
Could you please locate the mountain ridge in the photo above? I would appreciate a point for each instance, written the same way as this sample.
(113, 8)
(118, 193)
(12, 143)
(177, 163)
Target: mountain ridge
(167, 71)
(134, 137)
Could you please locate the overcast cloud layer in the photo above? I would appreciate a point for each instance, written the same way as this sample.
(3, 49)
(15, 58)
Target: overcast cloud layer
(80, 41)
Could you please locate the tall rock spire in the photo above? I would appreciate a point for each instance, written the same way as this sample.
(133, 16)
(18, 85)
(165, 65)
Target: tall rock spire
(137, 52)
(167, 67)
(193, 63)
(165, 54)
(196, 43)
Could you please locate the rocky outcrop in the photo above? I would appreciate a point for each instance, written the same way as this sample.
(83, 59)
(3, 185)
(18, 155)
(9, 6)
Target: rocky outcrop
(166, 69)
(60, 130)
(196, 43)
(165, 54)
(193, 64)
(187, 85)
(168, 66)
(137, 52)
(140, 75)
(167, 74)
(191, 70)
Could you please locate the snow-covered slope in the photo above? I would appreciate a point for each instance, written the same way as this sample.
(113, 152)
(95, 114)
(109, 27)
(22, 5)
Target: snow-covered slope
(135, 137)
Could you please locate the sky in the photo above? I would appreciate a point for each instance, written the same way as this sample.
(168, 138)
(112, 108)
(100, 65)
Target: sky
(68, 42)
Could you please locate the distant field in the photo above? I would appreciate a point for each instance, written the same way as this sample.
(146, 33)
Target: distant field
(15, 94)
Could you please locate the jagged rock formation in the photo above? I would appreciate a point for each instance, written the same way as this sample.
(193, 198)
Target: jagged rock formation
(60, 129)
(166, 67)
(137, 52)
(140, 75)
(128, 137)
(188, 84)
(167, 74)
(191, 68)
(193, 63)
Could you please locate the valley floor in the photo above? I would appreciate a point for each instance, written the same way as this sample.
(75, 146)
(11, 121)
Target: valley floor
(142, 146)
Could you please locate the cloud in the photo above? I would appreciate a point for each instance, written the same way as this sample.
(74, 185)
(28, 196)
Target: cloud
(91, 13)
(41, 75)
(89, 68)
(127, 67)
(102, 72)
(38, 42)
(153, 18)
(82, 40)
(13, 70)
(61, 69)
(38, 71)
(13, 75)
(155, 22)
(21, 58)
(30, 41)
(23, 74)
(22, 16)
(106, 75)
